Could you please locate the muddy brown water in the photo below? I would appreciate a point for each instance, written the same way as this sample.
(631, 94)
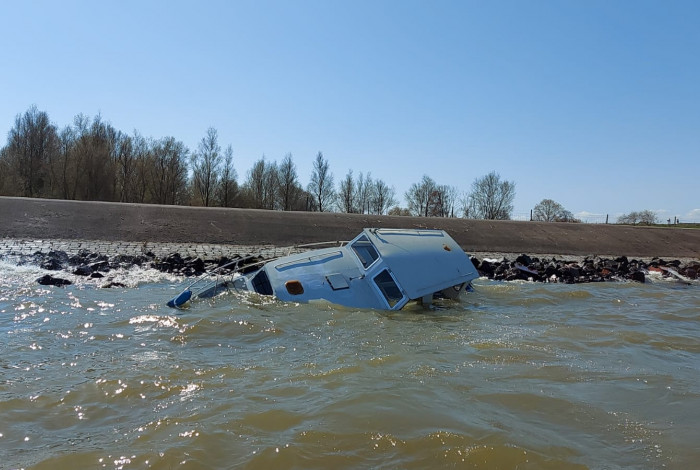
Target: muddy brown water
(517, 375)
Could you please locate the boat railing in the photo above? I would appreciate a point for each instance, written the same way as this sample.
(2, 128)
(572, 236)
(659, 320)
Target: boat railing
(208, 283)
(310, 259)
(306, 246)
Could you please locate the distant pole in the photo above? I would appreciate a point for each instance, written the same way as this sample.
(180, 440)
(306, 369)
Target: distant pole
(530, 215)
(606, 219)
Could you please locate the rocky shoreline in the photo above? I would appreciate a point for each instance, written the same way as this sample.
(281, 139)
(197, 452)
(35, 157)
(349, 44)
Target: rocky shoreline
(96, 259)
(588, 269)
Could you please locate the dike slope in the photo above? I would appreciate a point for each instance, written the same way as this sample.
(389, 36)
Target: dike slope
(42, 219)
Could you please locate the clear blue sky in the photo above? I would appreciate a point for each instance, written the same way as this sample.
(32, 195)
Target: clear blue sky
(595, 104)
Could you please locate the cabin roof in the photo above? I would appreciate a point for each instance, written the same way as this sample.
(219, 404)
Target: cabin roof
(423, 261)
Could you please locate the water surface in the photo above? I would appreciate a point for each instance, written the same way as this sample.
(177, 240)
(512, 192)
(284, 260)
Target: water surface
(518, 375)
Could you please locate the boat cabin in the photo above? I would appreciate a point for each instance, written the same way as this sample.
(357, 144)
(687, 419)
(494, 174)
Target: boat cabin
(380, 268)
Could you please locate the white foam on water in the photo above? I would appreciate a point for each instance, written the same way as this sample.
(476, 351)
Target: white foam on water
(28, 274)
(135, 276)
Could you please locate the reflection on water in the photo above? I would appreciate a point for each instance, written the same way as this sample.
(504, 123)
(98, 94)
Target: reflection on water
(517, 375)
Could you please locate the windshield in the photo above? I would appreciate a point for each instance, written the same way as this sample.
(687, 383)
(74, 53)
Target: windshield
(388, 287)
(365, 251)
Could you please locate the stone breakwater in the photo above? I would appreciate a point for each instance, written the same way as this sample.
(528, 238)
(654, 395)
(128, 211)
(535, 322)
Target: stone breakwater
(95, 259)
(17, 247)
(587, 269)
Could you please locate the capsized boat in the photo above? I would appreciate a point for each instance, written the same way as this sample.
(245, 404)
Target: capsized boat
(379, 269)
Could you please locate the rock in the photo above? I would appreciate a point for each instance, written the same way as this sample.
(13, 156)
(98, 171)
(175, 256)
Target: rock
(637, 276)
(251, 264)
(82, 270)
(485, 268)
(552, 270)
(51, 265)
(109, 285)
(174, 259)
(59, 255)
(690, 273)
(622, 260)
(526, 273)
(124, 260)
(606, 273)
(48, 280)
(102, 266)
(475, 261)
(524, 259)
(197, 265)
(502, 268)
(98, 258)
(571, 271)
(163, 267)
(76, 260)
(589, 270)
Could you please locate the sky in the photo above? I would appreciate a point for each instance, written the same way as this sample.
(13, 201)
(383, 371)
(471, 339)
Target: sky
(594, 104)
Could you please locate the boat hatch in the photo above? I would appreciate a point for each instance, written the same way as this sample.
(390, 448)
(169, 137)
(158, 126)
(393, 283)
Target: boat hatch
(365, 251)
(388, 287)
(337, 281)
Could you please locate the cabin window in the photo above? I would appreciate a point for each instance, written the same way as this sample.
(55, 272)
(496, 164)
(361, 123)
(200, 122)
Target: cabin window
(365, 251)
(261, 283)
(294, 287)
(388, 287)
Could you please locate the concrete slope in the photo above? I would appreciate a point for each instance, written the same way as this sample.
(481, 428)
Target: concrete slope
(58, 219)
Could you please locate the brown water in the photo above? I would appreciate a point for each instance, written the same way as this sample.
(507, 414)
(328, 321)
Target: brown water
(519, 375)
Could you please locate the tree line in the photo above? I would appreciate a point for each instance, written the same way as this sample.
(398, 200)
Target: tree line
(91, 160)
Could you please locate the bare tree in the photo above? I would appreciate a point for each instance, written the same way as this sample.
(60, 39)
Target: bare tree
(227, 190)
(289, 188)
(261, 185)
(93, 159)
(418, 196)
(126, 167)
(492, 198)
(466, 206)
(441, 201)
(272, 186)
(347, 193)
(141, 149)
(382, 197)
(168, 171)
(78, 153)
(645, 217)
(321, 184)
(205, 166)
(6, 188)
(548, 210)
(31, 145)
(363, 193)
(61, 166)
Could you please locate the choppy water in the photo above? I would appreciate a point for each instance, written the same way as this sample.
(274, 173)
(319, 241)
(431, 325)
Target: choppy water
(519, 375)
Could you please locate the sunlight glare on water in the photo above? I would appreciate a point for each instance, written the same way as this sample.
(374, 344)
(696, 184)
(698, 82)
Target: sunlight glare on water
(517, 375)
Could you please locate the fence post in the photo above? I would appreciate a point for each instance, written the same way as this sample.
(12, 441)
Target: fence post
(606, 219)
